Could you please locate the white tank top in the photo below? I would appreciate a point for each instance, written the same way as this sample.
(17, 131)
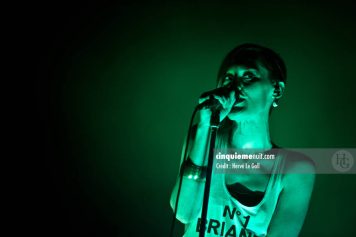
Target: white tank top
(228, 217)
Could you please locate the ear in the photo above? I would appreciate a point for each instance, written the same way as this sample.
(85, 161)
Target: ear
(278, 89)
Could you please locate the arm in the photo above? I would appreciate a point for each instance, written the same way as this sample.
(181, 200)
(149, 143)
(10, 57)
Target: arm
(191, 193)
(293, 203)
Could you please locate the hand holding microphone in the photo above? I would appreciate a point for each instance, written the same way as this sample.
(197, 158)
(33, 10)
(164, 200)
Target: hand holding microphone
(219, 100)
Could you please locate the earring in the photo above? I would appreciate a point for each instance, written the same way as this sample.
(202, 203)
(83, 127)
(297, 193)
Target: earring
(274, 104)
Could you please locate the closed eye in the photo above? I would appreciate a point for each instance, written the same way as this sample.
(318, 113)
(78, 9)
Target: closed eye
(228, 78)
(249, 77)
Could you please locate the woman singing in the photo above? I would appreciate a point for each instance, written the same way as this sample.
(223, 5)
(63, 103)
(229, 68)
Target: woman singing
(267, 197)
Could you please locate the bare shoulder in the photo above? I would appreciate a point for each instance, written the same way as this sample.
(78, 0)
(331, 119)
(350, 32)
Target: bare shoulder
(299, 169)
(298, 163)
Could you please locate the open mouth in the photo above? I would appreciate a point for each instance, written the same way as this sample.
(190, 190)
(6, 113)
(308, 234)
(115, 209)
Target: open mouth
(239, 102)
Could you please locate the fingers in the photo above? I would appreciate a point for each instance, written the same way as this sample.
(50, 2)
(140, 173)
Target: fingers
(221, 91)
(227, 101)
(202, 100)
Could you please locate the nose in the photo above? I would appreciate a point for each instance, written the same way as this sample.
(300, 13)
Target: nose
(237, 85)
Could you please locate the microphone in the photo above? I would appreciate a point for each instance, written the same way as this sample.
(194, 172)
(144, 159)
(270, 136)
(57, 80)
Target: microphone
(221, 91)
(211, 102)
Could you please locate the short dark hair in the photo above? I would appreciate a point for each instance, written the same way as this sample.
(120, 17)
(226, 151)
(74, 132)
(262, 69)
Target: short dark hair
(250, 54)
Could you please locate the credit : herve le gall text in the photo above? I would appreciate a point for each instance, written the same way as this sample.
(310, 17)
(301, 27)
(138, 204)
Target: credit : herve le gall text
(224, 165)
(221, 158)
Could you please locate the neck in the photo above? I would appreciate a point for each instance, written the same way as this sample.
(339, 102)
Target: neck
(253, 133)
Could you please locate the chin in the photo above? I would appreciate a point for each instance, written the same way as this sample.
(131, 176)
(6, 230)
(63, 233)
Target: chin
(241, 114)
(238, 116)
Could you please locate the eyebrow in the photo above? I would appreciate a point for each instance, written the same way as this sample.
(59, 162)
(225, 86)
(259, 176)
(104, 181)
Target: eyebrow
(248, 70)
(251, 70)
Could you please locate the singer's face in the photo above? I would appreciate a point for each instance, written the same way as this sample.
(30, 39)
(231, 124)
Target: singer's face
(255, 95)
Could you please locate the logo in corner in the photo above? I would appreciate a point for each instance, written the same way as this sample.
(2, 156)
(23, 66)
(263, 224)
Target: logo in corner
(342, 161)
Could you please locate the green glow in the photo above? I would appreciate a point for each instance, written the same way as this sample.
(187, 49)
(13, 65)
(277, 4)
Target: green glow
(121, 96)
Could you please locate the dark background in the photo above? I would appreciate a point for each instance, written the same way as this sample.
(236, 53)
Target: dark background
(116, 84)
